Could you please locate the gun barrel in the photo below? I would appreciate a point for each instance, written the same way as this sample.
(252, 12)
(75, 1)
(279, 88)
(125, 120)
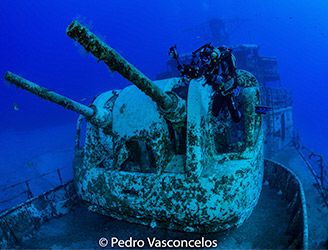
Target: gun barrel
(117, 63)
(49, 95)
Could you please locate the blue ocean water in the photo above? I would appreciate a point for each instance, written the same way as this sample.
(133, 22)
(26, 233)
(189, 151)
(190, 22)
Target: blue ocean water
(34, 44)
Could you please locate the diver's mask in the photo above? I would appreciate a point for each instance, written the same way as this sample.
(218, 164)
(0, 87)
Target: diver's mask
(215, 55)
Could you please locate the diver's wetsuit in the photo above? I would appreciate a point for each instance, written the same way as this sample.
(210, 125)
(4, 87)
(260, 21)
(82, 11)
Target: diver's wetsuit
(219, 68)
(228, 69)
(219, 102)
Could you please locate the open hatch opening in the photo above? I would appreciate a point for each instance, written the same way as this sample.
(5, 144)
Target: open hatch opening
(140, 158)
(229, 136)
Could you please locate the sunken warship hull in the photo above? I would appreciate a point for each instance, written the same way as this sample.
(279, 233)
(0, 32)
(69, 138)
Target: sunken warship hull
(151, 156)
(160, 159)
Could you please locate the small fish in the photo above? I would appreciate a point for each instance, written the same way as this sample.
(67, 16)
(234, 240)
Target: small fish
(262, 109)
(83, 99)
(16, 107)
(197, 37)
(30, 164)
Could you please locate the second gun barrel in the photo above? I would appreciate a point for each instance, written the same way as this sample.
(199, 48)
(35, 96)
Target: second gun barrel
(49, 95)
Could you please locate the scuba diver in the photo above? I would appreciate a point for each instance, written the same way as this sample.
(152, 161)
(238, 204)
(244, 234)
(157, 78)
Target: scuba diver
(218, 66)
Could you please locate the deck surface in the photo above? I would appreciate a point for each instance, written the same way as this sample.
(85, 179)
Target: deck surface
(82, 229)
(317, 212)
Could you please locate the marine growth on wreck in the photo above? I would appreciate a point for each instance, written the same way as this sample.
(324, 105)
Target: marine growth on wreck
(155, 158)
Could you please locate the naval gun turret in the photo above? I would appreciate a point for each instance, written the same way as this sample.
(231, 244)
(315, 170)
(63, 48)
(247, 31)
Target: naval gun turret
(153, 157)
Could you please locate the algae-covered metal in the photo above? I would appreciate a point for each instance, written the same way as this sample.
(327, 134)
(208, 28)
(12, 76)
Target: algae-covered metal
(164, 160)
(137, 173)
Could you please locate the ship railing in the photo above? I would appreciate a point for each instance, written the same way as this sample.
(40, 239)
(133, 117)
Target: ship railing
(278, 98)
(290, 187)
(316, 165)
(21, 191)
